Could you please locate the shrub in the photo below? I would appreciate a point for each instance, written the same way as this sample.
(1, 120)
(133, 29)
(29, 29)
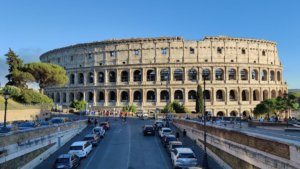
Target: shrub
(175, 107)
(78, 105)
(131, 108)
(33, 97)
(14, 92)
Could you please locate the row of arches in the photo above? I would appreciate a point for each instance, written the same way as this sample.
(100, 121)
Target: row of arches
(220, 96)
(178, 75)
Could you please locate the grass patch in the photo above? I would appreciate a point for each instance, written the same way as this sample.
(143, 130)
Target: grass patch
(13, 105)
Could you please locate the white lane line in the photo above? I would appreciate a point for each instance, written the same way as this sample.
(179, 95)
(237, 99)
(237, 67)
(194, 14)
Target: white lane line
(161, 153)
(129, 145)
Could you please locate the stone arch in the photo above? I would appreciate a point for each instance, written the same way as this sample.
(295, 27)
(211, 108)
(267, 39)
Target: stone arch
(254, 74)
(264, 75)
(278, 76)
(90, 97)
(206, 74)
(90, 78)
(220, 95)
(150, 96)
(255, 95)
(245, 95)
(64, 98)
(233, 95)
(101, 97)
(124, 96)
(112, 96)
(137, 76)
(79, 96)
(112, 76)
(192, 74)
(233, 113)
(151, 75)
(246, 113)
(71, 97)
(57, 97)
(220, 113)
(178, 95)
(101, 77)
(273, 94)
(192, 94)
(72, 78)
(231, 74)
(164, 75)
(178, 75)
(80, 78)
(206, 95)
(137, 96)
(272, 75)
(124, 76)
(244, 74)
(280, 93)
(265, 95)
(219, 74)
(164, 96)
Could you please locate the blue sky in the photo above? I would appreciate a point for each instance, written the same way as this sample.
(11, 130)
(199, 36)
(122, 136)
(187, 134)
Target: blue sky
(32, 27)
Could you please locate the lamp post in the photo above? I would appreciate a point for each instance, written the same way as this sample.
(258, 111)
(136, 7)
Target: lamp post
(286, 112)
(6, 96)
(240, 120)
(205, 164)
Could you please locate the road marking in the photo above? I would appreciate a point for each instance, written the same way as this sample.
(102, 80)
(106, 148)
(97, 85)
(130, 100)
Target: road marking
(129, 145)
(161, 154)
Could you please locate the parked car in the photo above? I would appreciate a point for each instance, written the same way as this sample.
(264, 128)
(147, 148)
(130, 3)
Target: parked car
(164, 131)
(80, 148)
(139, 114)
(148, 130)
(45, 123)
(100, 131)
(92, 139)
(57, 120)
(27, 125)
(145, 116)
(167, 138)
(158, 124)
(67, 161)
(174, 144)
(105, 125)
(183, 158)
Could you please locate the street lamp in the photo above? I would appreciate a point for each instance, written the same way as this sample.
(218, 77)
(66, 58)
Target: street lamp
(285, 95)
(6, 96)
(240, 120)
(205, 75)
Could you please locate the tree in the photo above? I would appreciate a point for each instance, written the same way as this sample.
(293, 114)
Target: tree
(199, 100)
(286, 103)
(16, 76)
(47, 74)
(78, 105)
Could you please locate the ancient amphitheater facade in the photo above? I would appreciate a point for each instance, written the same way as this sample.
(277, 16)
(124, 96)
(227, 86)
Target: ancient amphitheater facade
(150, 72)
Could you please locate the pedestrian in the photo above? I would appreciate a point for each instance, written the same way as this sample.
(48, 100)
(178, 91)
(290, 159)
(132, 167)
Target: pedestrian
(177, 136)
(184, 133)
(96, 122)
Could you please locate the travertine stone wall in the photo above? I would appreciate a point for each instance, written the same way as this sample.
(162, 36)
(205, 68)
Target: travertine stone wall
(151, 72)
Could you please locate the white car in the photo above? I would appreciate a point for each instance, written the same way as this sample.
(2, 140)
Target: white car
(174, 144)
(80, 148)
(100, 131)
(164, 131)
(183, 158)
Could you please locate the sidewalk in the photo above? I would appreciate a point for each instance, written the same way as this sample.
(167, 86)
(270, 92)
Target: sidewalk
(197, 150)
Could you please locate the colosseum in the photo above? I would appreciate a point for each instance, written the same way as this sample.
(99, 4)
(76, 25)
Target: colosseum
(150, 72)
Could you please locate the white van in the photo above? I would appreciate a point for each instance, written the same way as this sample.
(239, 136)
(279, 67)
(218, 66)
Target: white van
(80, 148)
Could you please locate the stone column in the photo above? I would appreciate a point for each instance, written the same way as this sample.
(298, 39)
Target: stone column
(171, 94)
(118, 98)
(94, 97)
(157, 96)
(157, 73)
(105, 97)
(95, 77)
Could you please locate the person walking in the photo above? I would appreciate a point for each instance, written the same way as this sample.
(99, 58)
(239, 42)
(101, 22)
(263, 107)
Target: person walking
(177, 136)
(184, 133)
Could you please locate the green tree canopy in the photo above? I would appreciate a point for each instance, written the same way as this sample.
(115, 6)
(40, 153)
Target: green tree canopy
(175, 107)
(78, 105)
(47, 74)
(199, 100)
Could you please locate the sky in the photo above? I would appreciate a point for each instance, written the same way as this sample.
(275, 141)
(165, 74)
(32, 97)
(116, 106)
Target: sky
(33, 27)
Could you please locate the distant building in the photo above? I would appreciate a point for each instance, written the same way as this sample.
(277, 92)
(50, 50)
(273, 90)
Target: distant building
(150, 72)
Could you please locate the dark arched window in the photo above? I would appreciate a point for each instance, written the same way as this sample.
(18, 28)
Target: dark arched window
(220, 113)
(231, 74)
(164, 96)
(90, 97)
(272, 75)
(71, 97)
(232, 95)
(273, 94)
(101, 97)
(206, 95)
(254, 74)
(264, 75)
(112, 96)
(57, 97)
(124, 96)
(206, 74)
(164, 75)
(80, 78)
(137, 96)
(192, 95)
(90, 78)
(233, 113)
(265, 95)
(245, 95)
(79, 96)
(178, 95)
(150, 96)
(112, 77)
(244, 74)
(219, 74)
(255, 95)
(72, 79)
(64, 98)
(219, 95)
(100, 77)
(192, 75)
(278, 76)
(151, 75)
(124, 76)
(178, 75)
(137, 76)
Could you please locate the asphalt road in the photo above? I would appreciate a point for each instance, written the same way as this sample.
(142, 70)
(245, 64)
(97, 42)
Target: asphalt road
(124, 147)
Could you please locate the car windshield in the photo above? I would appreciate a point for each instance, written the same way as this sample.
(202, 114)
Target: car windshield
(149, 128)
(96, 130)
(76, 148)
(62, 160)
(186, 155)
(88, 138)
(167, 130)
(57, 121)
(176, 146)
(26, 125)
(171, 138)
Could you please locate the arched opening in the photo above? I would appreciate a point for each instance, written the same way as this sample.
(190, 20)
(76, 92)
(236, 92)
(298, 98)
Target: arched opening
(192, 75)
(112, 77)
(124, 96)
(280, 93)
(57, 97)
(150, 96)
(220, 113)
(232, 95)
(72, 79)
(64, 98)
(178, 75)
(100, 96)
(80, 96)
(255, 95)
(246, 114)
(233, 113)
(278, 76)
(264, 75)
(124, 76)
(90, 78)
(273, 94)
(265, 95)
(245, 95)
(219, 95)
(254, 74)
(206, 95)
(112, 96)
(178, 95)
(100, 77)
(164, 75)
(164, 96)
(90, 97)
(192, 95)
(244, 74)
(80, 78)
(137, 96)
(272, 75)
(206, 74)
(71, 97)
(219, 74)
(231, 74)
(137, 76)
(151, 75)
